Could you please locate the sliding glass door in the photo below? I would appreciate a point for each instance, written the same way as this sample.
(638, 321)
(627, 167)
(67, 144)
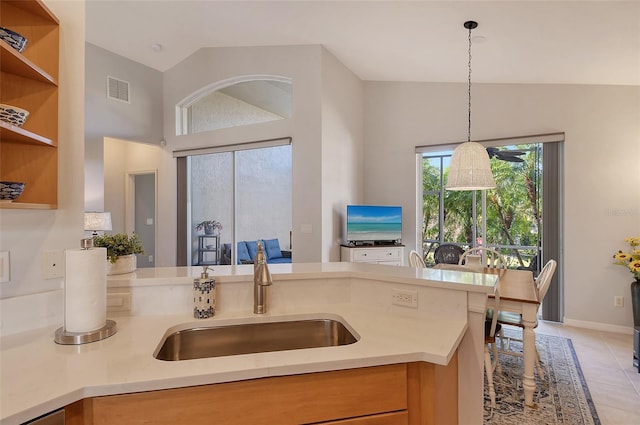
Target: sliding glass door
(521, 217)
(246, 192)
(506, 218)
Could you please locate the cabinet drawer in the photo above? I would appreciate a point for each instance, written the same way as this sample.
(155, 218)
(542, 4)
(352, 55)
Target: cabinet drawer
(376, 254)
(394, 418)
(309, 398)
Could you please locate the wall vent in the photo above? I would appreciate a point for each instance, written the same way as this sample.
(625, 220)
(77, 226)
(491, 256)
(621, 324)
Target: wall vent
(117, 89)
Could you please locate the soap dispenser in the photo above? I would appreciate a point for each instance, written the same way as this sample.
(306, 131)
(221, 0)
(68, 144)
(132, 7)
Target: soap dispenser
(204, 295)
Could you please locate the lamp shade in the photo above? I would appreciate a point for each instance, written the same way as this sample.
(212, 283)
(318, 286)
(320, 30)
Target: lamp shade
(97, 221)
(470, 168)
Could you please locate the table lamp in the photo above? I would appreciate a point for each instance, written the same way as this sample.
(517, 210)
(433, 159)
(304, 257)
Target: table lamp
(97, 221)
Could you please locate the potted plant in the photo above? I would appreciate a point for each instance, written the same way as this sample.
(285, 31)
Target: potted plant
(631, 261)
(121, 251)
(210, 227)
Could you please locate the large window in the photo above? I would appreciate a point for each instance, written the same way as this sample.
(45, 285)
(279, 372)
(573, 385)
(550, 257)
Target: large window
(247, 190)
(521, 217)
(506, 218)
(235, 102)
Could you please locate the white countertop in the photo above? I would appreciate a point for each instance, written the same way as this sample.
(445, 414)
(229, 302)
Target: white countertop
(38, 375)
(243, 273)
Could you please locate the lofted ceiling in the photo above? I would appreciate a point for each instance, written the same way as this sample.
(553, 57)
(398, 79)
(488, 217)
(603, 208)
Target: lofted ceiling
(549, 42)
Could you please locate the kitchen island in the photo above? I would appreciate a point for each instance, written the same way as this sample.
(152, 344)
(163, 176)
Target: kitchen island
(39, 376)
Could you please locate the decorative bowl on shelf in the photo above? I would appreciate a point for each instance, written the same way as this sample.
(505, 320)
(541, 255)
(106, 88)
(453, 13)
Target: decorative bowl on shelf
(13, 39)
(13, 114)
(9, 191)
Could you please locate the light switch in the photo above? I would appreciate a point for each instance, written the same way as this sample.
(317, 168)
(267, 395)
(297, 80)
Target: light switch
(149, 222)
(306, 228)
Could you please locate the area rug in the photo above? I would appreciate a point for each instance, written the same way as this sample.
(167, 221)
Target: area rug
(561, 398)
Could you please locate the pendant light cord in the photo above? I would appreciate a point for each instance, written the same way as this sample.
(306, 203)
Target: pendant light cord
(469, 87)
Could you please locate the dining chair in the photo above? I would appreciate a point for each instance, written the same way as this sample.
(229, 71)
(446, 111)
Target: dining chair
(533, 265)
(543, 281)
(447, 253)
(416, 260)
(491, 328)
(482, 257)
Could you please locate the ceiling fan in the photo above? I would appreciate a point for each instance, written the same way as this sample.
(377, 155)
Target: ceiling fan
(505, 155)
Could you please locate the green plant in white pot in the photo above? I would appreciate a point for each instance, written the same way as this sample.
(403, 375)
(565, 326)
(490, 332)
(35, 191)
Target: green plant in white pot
(121, 251)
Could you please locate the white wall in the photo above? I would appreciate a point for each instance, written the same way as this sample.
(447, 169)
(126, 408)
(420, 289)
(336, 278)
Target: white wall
(219, 110)
(602, 167)
(342, 140)
(27, 233)
(122, 157)
(140, 120)
(302, 65)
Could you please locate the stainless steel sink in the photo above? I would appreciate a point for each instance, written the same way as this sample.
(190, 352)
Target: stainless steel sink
(246, 338)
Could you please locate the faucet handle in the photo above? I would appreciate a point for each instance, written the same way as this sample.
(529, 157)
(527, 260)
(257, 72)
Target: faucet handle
(204, 274)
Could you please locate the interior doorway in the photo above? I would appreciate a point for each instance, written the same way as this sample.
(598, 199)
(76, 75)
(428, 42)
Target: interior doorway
(141, 213)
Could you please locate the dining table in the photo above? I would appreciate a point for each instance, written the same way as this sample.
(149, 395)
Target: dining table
(518, 294)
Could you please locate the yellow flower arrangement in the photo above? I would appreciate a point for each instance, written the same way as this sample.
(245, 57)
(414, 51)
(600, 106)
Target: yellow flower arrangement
(631, 259)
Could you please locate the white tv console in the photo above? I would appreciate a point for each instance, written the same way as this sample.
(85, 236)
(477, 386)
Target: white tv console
(391, 255)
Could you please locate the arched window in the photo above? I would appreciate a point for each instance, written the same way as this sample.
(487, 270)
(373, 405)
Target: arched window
(244, 100)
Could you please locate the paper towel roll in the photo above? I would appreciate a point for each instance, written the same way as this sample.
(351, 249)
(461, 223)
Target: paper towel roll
(85, 289)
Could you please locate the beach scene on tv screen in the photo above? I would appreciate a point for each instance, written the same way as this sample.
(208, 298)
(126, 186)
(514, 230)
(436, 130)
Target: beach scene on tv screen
(372, 223)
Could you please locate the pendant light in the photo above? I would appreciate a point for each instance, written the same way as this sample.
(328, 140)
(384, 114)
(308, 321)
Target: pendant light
(470, 168)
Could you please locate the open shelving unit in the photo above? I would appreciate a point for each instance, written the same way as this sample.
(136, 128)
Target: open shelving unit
(29, 153)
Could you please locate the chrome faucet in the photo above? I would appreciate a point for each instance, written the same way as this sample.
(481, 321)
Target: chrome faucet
(261, 280)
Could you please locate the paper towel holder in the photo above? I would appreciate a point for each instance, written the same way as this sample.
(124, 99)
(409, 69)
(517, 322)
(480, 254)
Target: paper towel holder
(65, 337)
(76, 338)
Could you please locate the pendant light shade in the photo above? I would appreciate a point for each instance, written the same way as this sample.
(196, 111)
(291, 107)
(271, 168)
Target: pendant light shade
(470, 168)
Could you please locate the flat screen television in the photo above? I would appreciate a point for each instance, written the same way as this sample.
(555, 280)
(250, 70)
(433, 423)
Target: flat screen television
(374, 224)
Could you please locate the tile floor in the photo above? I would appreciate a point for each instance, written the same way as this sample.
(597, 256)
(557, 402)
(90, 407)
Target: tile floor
(606, 360)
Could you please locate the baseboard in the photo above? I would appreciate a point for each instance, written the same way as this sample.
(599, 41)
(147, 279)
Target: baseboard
(597, 326)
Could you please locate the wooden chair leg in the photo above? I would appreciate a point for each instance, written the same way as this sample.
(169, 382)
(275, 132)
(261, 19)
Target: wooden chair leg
(488, 367)
(496, 359)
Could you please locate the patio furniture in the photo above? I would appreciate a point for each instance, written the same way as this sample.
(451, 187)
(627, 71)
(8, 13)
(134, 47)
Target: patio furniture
(447, 253)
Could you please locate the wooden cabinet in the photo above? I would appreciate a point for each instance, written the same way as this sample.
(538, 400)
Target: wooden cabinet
(400, 394)
(392, 255)
(30, 81)
(394, 418)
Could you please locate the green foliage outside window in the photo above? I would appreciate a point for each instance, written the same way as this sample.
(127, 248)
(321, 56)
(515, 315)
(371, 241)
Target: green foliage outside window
(513, 207)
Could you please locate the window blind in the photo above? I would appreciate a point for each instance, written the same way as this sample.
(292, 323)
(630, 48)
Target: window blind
(269, 143)
(519, 140)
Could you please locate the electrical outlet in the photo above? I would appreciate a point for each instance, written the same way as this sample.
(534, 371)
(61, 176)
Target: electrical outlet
(118, 302)
(52, 264)
(618, 301)
(5, 267)
(404, 297)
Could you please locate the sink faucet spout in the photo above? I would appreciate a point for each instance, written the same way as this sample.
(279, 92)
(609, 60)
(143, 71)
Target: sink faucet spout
(261, 281)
